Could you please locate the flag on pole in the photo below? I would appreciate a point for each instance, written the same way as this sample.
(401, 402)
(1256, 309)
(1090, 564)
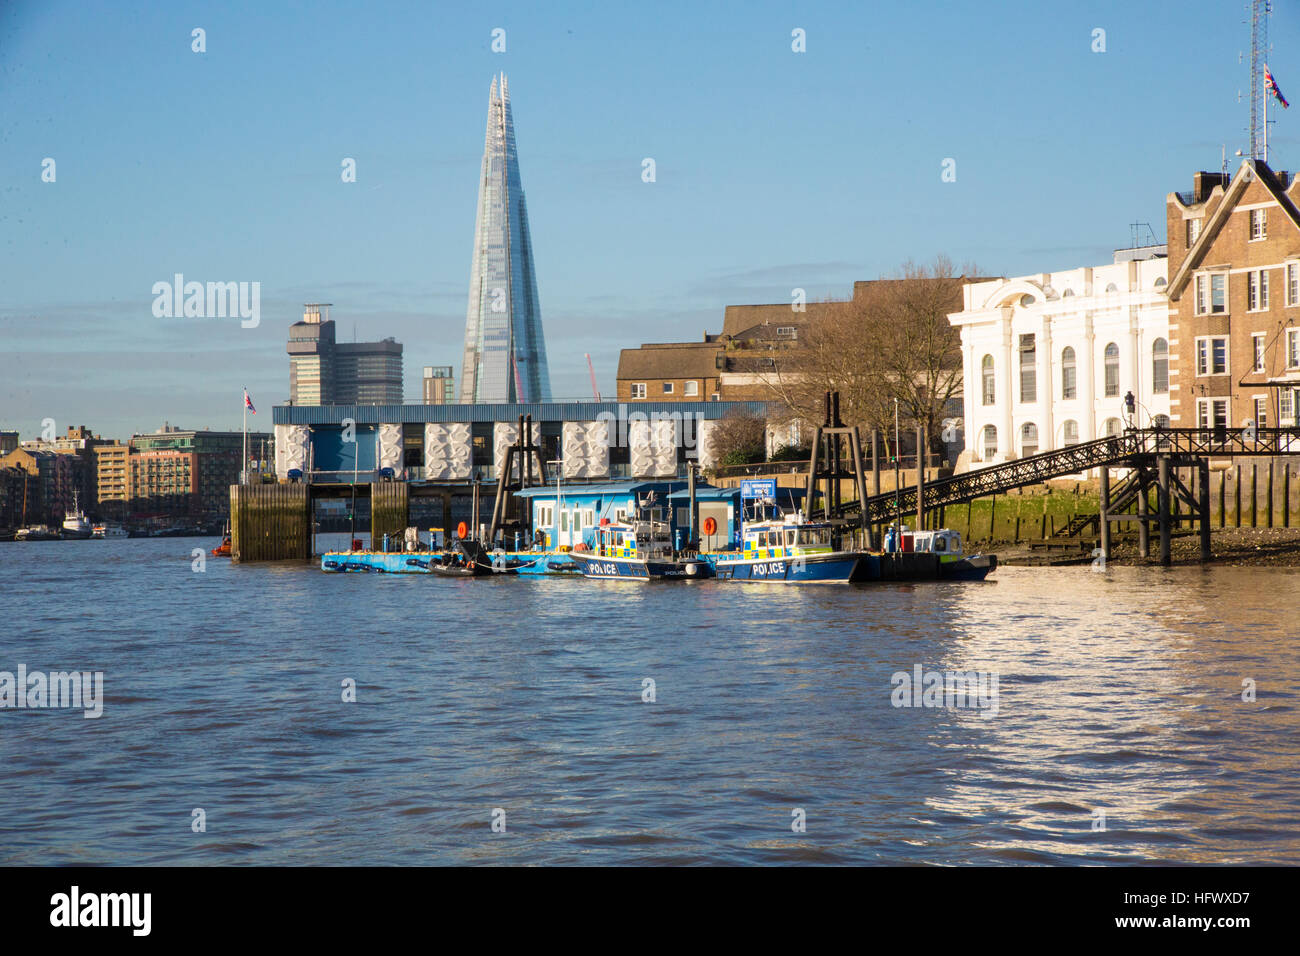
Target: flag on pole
(248, 403)
(1271, 85)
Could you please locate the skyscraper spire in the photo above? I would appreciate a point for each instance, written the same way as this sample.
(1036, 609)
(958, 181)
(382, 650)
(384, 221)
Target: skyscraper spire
(505, 352)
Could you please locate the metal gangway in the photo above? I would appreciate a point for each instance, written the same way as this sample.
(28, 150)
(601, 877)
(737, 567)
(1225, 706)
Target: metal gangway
(1153, 458)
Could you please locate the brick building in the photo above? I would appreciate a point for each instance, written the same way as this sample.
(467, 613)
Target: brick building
(1234, 299)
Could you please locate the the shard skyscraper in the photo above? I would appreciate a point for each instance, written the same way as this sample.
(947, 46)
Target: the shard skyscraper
(505, 353)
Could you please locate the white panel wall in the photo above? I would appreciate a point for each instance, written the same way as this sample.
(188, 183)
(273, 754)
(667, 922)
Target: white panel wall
(291, 448)
(447, 452)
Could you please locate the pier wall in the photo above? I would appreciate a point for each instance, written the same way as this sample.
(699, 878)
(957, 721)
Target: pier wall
(270, 523)
(389, 509)
(1245, 494)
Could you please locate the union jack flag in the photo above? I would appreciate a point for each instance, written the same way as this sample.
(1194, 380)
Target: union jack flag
(1271, 85)
(248, 403)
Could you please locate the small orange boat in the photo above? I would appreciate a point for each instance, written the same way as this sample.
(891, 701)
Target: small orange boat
(223, 550)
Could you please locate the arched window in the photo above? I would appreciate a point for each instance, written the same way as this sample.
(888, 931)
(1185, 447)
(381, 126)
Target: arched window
(1067, 293)
(1160, 366)
(1161, 282)
(1112, 287)
(1069, 386)
(1112, 427)
(989, 442)
(1161, 421)
(1028, 439)
(990, 392)
(1071, 432)
(1112, 370)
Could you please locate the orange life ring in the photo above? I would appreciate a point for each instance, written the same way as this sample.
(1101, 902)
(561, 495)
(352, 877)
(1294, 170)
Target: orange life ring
(710, 526)
(461, 530)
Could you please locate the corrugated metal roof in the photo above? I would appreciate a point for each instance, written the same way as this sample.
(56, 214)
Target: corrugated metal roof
(541, 412)
(602, 488)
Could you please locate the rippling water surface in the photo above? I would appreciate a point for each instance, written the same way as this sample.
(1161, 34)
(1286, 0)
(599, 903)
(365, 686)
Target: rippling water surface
(1119, 691)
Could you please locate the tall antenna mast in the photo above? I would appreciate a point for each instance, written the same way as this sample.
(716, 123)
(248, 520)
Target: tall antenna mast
(1259, 11)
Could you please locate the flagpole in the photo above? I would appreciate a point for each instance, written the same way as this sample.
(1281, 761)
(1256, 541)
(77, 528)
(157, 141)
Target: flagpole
(243, 465)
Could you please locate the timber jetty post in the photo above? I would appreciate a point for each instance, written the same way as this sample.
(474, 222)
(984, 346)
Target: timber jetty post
(270, 522)
(389, 510)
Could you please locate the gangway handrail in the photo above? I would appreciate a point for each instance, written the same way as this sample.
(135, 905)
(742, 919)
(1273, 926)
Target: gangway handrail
(1131, 444)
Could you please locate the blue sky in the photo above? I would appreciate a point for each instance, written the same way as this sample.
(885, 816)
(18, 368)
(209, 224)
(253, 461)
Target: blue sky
(775, 169)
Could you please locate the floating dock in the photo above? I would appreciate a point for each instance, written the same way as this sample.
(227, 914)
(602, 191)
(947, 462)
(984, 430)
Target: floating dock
(418, 562)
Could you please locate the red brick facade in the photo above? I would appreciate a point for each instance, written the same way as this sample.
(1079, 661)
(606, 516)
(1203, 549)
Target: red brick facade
(1234, 294)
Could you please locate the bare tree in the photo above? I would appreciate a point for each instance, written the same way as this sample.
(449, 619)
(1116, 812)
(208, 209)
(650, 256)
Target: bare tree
(739, 438)
(891, 341)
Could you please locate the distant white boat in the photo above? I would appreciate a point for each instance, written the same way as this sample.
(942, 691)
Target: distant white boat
(75, 523)
(109, 531)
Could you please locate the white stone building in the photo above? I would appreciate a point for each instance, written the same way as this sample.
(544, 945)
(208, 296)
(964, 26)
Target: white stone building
(1048, 358)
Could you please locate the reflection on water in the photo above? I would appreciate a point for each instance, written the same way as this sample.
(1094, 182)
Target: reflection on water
(1120, 693)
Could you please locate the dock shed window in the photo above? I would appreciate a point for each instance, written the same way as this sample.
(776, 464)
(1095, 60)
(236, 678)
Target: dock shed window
(1112, 369)
(1028, 369)
(1160, 366)
(1028, 439)
(638, 389)
(989, 442)
(691, 388)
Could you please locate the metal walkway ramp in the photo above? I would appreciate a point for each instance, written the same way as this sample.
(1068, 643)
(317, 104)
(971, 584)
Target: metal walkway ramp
(1130, 448)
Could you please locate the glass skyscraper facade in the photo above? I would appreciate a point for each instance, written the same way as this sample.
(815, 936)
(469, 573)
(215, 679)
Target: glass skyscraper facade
(505, 353)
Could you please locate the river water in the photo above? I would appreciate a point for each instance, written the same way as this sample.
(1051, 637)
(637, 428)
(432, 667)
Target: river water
(772, 736)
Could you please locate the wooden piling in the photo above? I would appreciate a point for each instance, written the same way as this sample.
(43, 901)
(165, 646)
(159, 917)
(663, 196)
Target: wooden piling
(1286, 494)
(1203, 486)
(1270, 495)
(270, 523)
(1254, 495)
(389, 511)
(1144, 530)
(1236, 497)
(1103, 524)
(1163, 504)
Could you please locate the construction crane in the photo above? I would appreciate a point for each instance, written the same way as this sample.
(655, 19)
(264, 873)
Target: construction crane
(594, 390)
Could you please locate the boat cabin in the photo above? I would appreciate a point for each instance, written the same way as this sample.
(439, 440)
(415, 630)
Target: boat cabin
(942, 541)
(785, 538)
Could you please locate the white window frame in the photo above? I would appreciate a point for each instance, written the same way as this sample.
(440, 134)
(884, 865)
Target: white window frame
(1293, 347)
(1258, 224)
(1257, 290)
(638, 390)
(1205, 355)
(1193, 231)
(1205, 293)
(1260, 405)
(691, 389)
(1286, 407)
(1205, 413)
(1291, 279)
(668, 388)
(1257, 348)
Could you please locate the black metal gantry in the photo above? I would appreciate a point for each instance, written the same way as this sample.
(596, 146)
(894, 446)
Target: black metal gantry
(1153, 455)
